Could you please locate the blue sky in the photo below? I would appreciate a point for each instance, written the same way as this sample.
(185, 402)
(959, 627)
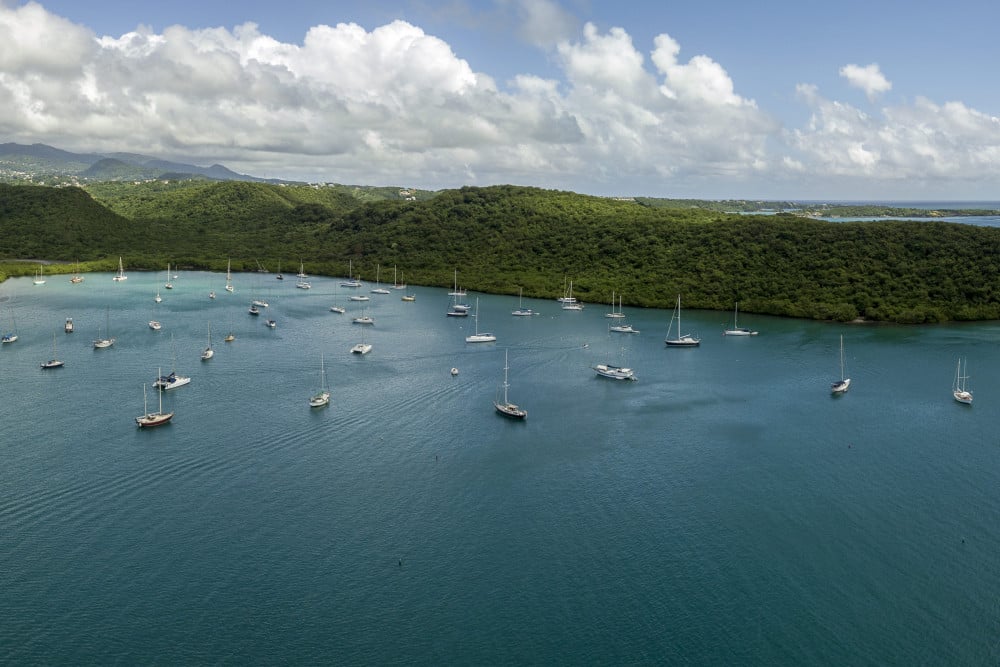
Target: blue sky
(797, 100)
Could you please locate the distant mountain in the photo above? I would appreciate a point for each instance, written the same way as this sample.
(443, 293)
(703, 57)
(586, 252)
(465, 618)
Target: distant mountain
(41, 160)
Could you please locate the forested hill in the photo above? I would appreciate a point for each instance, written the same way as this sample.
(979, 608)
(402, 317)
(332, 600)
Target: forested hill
(503, 237)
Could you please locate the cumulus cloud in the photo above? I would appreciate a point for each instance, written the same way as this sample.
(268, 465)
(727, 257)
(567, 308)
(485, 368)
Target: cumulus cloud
(868, 78)
(921, 142)
(397, 105)
(393, 104)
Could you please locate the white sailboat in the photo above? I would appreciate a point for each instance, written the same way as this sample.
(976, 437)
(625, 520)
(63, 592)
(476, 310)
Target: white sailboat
(479, 337)
(737, 330)
(77, 278)
(39, 278)
(121, 272)
(279, 276)
(615, 372)
(841, 385)
(168, 284)
(456, 291)
(378, 282)
(208, 353)
(617, 314)
(569, 302)
(173, 380)
(336, 307)
(229, 276)
(362, 347)
(958, 388)
(350, 282)
(102, 343)
(323, 396)
(148, 419)
(397, 284)
(521, 311)
(505, 407)
(682, 339)
(624, 327)
(302, 283)
(364, 318)
(54, 361)
(11, 335)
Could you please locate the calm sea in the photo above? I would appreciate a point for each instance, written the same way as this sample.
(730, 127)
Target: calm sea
(722, 510)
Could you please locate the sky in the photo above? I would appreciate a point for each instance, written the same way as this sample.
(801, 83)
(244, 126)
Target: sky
(882, 100)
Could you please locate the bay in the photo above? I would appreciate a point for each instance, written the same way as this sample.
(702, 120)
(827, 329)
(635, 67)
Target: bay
(724, 509)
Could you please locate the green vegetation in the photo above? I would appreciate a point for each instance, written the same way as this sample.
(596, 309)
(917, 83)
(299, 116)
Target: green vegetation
(503, 237)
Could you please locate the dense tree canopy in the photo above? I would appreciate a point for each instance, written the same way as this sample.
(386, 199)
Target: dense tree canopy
(505, 237)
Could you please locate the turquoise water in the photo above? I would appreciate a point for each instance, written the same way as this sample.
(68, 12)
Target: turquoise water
(724, 509)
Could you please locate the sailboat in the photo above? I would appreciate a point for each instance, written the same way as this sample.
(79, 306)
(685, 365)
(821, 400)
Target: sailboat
(77, 278)
(209, 352)
(841, 385)
(958, 389)
(457, 309)
(229, 276)
(230, 337)
(121, 272)
(168, 284)
(101, 343)
(569, 302)
(479, 337)
(618, 314)
(336, 307)
(362, 347)
(505, 407)
(456, 291)
(323, 397)
(157, 298)
(173, 380)
(615, 372)
(39, 279)
(364, 318)
(279, 276)
(682, 339)
(148, 419)
(54, 361)
(10, 336)
(737, 330)
(378, 284)
(624, 327)
(350, 282)
(521, 311)
(302, 283)
(397, 284)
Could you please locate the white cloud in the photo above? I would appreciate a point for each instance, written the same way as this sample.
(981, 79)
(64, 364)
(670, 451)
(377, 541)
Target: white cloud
(868, 78)
(394, 105)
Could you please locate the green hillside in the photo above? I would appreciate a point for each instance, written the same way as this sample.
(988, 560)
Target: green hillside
(503, 237)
